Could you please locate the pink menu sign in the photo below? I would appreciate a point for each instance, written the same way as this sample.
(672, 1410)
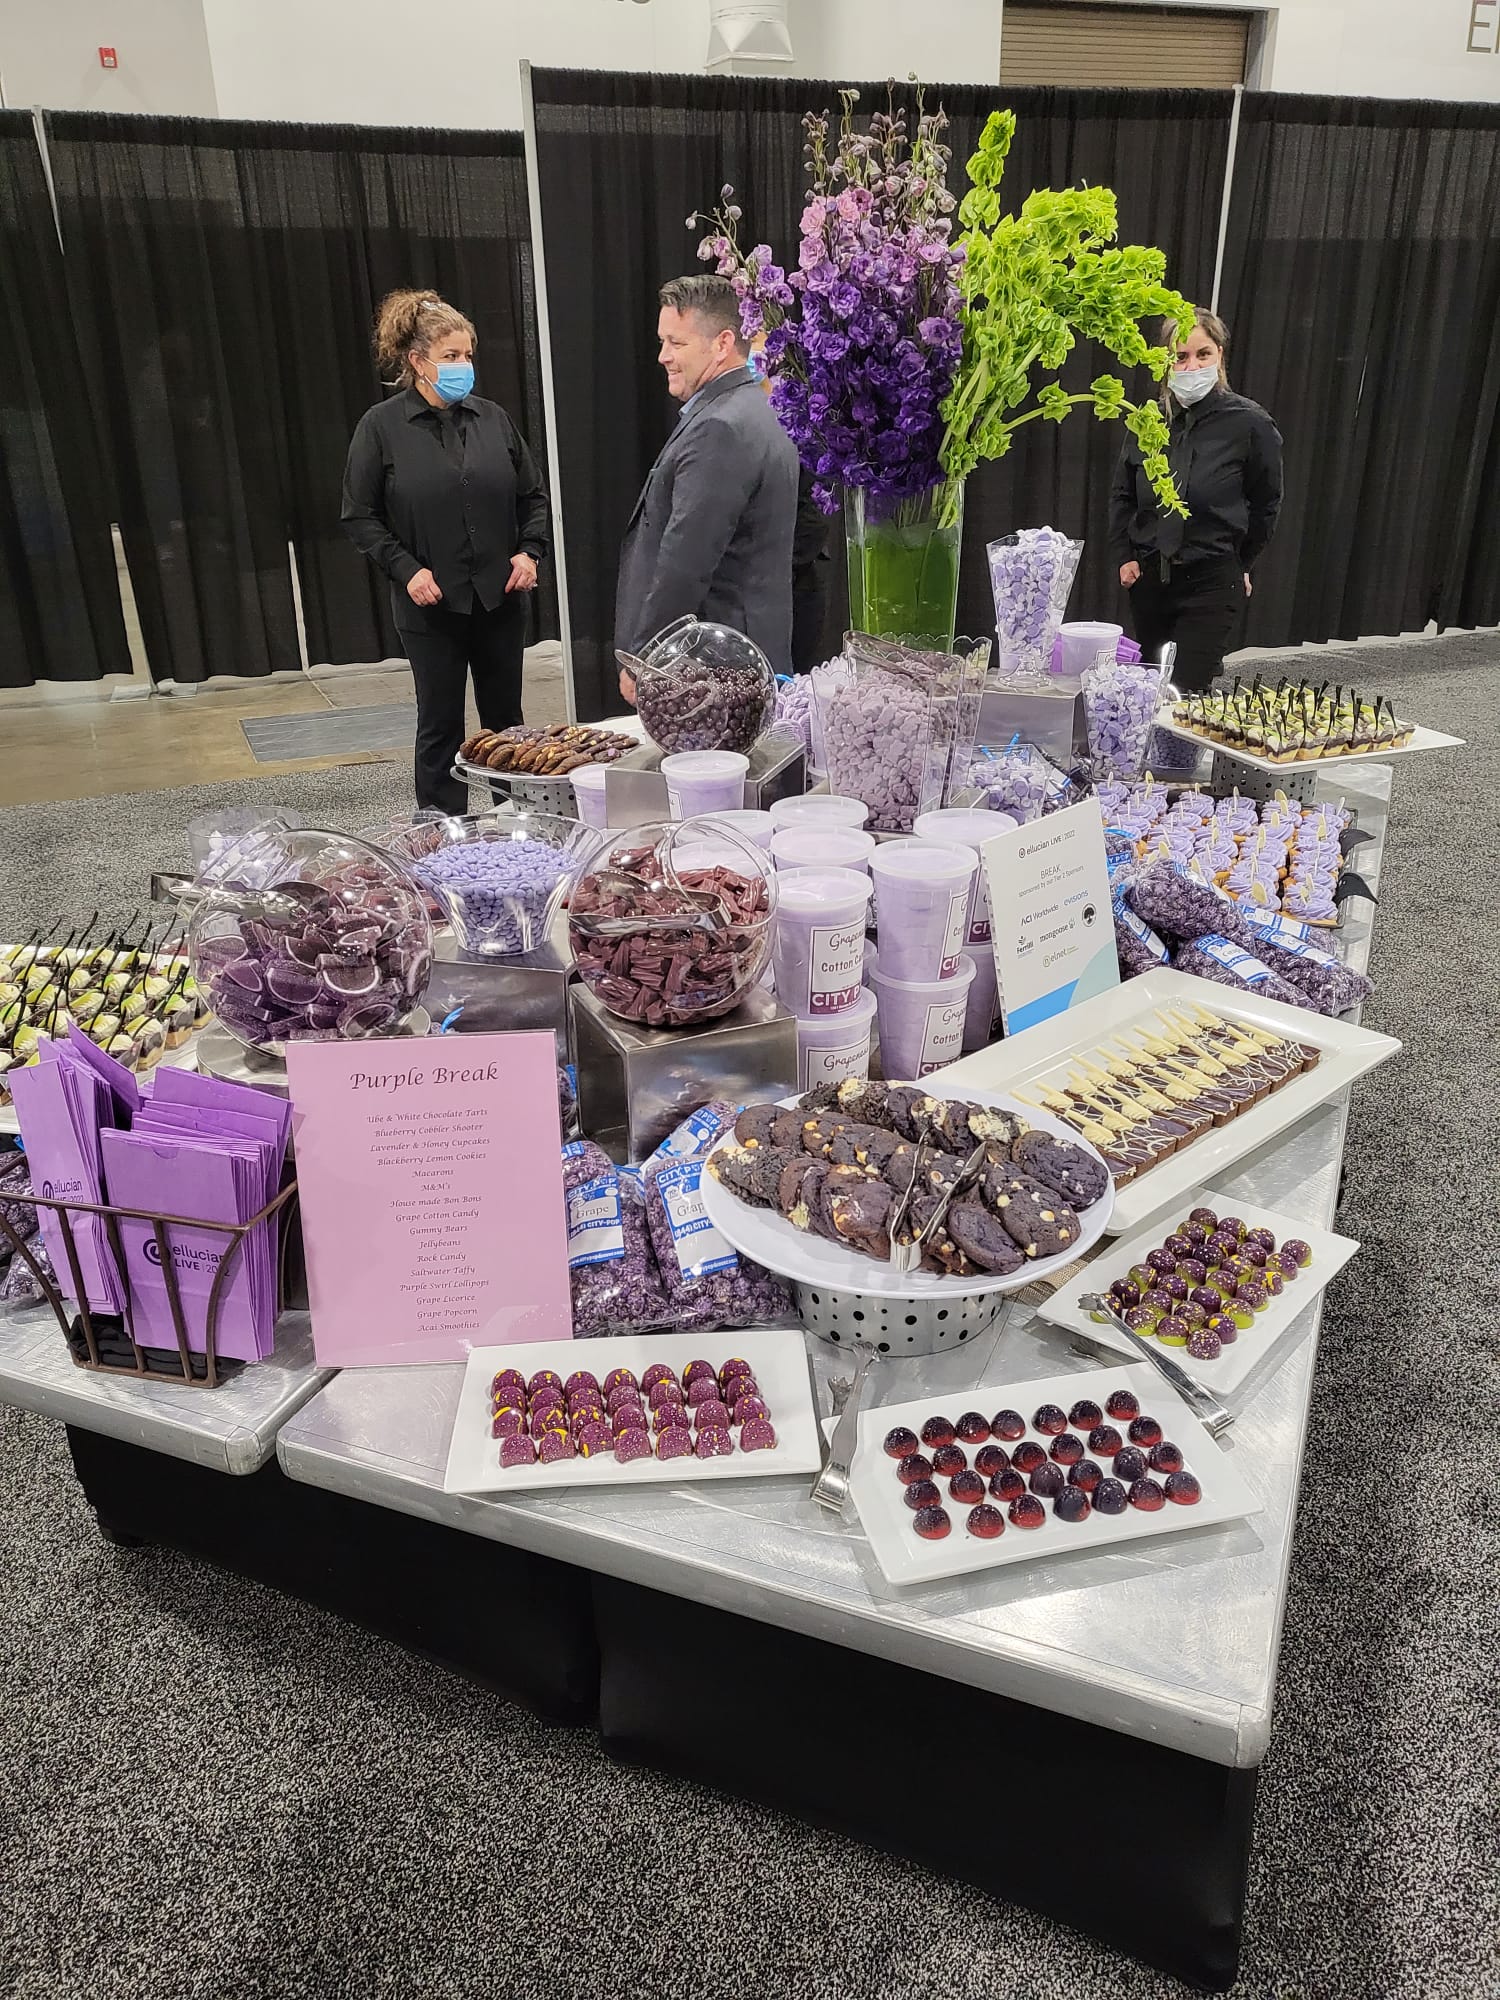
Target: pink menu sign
(431, 1195)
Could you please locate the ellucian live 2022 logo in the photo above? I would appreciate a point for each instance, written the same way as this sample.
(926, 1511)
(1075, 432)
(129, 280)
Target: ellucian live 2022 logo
(185, 1256)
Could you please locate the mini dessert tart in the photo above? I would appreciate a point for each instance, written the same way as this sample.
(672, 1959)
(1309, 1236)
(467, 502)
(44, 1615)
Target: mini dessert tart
(554, 1446)
(1026, 1512)
(899, 1443)
(631, 1445)
(914, 1467)
(758, 1435)
(933, 1523)
(1072, 1504)
(922, 1493)
(517, 1451)
(985, 1523)
(676, 1441)
(938, 1431)
(711, 1415)
(1008, 1425)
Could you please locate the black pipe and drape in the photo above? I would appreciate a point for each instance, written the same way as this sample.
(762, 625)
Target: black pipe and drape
(60, 617)
(1362, 283)
(224, 277)
(622, 161)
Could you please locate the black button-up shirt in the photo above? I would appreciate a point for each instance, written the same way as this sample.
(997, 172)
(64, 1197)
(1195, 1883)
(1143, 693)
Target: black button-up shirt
(1226, 458)
(455, 491)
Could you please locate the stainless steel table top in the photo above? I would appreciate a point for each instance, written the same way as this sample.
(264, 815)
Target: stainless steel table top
(232, 1428)
(1175, 1640)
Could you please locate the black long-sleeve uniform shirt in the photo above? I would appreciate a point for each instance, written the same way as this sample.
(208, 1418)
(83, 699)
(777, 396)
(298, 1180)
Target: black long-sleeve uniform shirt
(455, 491)
(1226, 458)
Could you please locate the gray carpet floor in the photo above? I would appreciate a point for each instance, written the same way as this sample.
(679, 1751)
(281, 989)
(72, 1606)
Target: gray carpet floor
(356, 1823)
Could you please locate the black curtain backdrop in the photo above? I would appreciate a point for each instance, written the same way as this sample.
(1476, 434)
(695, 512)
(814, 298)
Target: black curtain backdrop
(623, 160)
(225, 277)
(1362, 284)
(60, 616)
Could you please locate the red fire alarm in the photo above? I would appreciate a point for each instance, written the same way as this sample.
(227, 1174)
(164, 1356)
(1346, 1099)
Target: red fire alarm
(108, 59)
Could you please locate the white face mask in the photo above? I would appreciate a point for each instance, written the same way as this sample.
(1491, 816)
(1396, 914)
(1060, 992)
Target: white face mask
(1191, 385)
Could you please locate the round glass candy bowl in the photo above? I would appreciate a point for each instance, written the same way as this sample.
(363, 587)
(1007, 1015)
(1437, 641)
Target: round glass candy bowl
(499, 876)
(702, 687)
(671, 923)
(319, 937)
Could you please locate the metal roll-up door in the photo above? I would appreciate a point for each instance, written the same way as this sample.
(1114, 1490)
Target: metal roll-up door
(1186, 48)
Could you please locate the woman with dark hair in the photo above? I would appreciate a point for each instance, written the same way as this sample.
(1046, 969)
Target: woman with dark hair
(1188, 578)
(443, 496)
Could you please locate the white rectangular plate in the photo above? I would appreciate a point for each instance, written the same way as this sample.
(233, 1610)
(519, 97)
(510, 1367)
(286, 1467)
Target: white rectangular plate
(1422, 739)
(1330, 1253)
(777, 1355)
(906, 1558)
(1045, 1053)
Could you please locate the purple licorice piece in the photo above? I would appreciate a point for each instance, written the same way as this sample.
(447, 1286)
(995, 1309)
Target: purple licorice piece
(624, 1294)
(741, 1294)
(1228, 964)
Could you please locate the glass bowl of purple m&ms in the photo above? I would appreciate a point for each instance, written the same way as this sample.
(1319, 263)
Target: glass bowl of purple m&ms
(310, 935)
(500, 877)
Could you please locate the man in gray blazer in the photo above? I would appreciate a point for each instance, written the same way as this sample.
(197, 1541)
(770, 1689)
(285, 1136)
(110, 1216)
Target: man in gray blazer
(711, 535)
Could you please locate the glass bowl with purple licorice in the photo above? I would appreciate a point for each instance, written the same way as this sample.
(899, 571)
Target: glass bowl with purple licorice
(308, 935)
(671, 923)
(500, 877)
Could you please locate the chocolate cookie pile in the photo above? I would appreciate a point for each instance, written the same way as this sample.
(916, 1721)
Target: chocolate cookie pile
(545, 753)
(1152, 1091)
(838, 1163)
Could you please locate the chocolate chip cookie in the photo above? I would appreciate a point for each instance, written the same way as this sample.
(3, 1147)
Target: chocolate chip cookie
(1059, 1164)
(1039, 1221)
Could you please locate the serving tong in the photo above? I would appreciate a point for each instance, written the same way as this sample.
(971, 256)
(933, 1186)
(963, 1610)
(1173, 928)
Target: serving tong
(1210, 1412)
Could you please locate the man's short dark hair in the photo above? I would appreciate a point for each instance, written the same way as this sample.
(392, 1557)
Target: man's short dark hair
(709, 298)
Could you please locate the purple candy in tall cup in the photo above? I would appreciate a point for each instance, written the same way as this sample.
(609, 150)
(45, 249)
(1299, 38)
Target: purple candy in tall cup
(922, 891)
(837, 1045)
(819, 941)
(704, 781)
(1120, 701)
(921, 1020)
(1031, 574)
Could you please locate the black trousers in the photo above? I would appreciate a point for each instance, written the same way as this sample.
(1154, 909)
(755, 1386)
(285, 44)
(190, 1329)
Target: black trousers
(444, 651)
(1199, 606)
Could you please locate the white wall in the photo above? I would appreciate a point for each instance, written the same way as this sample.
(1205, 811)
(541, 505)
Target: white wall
(49, 55)
(1387, 48)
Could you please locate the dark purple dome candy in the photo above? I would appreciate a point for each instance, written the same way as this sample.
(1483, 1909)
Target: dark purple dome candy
(1067, 1449)
(1085, 1474)
(746, 1407)
(544, 1378)
(1175, 1287)
(1008, 1425)
(675, 1442)
(1147, 1495)
(1047, 1480)
(1028, 1456)
(546, 1399)
(972, 1428)
(1161, 1260)
(1026, 1512)
(1008, 1485)
(1050, 1419)
(1177, 1246)
(1253, 1253)
(1158, 1300)
(631, 1445)
(629, 1417)
(914, 1467)
(757, 1435)
(553, 1446)
(899, 1443)
(1129, 1464)
(657, 1372)
(966, 1489)
(582, 1379)
(1192, 1270)
(932, 1523)
(1287, 1264)
(1110, 1497)
(1184, 1489)
(1263, 1237)
(986, 1523)
(990, 1459)
(922, 1493)
(1165, 1457)
(1204, 1345)
(1142, 1319)
(1192, 1315)
(1072, 1504)
(1145, 1431)
(1221, 1245)
(694, 1371)
(1196, 1230)
(1125, 1294)
(1105, 1440)
(1274, 1281)
(714, 1442)
(508, 1424)
(1085, 1414)
(711, 1415)
(948, 1459)
(1207, 1296)
(592, 1438)
(1122, 1404)
(1232, 1225)
(937, 1430)
(1172, 1331)
(1206, 1216)
(517, 1451)
(1253, 1294)
(1221, 1324)
(663, 1392)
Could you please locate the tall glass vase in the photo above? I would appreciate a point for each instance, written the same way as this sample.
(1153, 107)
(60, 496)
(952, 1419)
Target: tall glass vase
(903, 563)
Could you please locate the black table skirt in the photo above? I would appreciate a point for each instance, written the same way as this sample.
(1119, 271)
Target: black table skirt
(837, 1731)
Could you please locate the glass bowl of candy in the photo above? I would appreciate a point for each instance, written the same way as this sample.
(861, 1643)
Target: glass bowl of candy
(671, 924)
(499, 877)
(309, 935)
(702, 687)
(898, 724)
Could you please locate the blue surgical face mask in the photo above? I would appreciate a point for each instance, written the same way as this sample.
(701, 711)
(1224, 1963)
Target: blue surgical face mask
(1191, 385)
(454, 380)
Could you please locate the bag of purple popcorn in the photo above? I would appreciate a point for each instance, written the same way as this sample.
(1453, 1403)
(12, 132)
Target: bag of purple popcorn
(1230, 965)
(610, 1267)
(707, 1283)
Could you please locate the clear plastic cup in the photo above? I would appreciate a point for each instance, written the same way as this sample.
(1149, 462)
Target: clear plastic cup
(588, 793)
(802, 846)
(922, 890)
(921, 1020)
(971, 827)
(819, 808)
(837, 1045)
(753, 824)
(819, 945)
(704, 781)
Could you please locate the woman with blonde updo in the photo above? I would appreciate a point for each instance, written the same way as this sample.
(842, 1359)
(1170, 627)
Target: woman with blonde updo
(443, 496)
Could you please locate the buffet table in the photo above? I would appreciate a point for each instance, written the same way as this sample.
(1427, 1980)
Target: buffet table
(1156, 1663)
